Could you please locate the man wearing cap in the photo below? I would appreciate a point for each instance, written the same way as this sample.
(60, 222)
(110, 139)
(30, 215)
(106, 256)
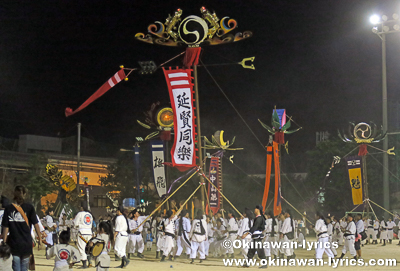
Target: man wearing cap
(121, 236)
(287, 236)
(257, 236)
(349, 238)
(83, 223)
(135, 235)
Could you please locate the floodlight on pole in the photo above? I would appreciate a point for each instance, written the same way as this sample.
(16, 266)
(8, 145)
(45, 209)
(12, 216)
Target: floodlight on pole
(381, 30)
(374, 19)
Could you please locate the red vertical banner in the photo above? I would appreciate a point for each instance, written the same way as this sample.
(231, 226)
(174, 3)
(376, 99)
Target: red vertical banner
(267, 177)
(180, 87)
(213, 195)
(277, 198)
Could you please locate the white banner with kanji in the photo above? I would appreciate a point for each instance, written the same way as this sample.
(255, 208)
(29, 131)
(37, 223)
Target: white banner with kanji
(180, 89)
(157, 157)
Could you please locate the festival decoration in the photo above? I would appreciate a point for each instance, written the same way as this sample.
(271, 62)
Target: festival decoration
(157, 157)
(363, 133)
(183, 152)
(278, 194)
(118, 77)
(159, 118)
(354, 167)
(267, 176)
(217, 142)
(215, 177)
(56, 175)
(193, 31)
(279, 126)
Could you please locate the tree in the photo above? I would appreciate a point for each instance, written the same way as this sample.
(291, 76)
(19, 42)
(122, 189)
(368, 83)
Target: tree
(38, 186)
(122, 177)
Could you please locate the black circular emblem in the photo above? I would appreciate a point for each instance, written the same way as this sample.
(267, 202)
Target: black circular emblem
(193, 30)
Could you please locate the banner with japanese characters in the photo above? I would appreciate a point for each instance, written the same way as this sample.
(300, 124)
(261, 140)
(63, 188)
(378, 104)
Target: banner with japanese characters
(157, 157)
(180, 87)
(213, 194)
(355, 169)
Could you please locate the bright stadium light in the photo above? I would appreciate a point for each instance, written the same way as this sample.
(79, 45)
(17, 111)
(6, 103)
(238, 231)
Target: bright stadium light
(374, 19)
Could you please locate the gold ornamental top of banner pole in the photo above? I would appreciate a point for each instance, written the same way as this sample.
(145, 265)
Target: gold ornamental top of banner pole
(193, 31)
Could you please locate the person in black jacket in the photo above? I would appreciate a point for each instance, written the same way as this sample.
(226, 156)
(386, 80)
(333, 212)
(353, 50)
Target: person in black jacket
(257, 236)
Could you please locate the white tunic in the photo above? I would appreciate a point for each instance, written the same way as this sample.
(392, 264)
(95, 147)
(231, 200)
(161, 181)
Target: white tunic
(83, 222)
(196, 230)
(244, 227)
(321, 229)
(121, 225)
(134, 224)
(232, 226)
(64, 255)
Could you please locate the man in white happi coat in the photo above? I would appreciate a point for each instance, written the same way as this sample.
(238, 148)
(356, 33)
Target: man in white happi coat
(349, 238)
(198, 236)
(288, 235)
(183, 228)
(390, 226)
(247, 223)
(83, 223)
(232, 232)
(370, 229)
(169, 234)
(121, 236)
(50, 227)
(135, 234)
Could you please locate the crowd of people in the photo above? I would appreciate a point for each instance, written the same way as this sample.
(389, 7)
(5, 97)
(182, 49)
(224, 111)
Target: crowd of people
(174, 234)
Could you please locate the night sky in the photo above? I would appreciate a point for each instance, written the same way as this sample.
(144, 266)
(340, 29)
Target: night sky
(318, 59)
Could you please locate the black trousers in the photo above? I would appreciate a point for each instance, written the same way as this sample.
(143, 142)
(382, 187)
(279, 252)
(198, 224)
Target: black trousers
(256, 245)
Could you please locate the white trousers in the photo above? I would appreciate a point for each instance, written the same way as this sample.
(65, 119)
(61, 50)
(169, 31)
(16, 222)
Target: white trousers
(120, 245)
(384, 235)
(375, 235)
(49, 237)
(82, 244)
(288, 247)
(267, 248)
(273, 250)
(245, 249)
(232, 237)
(160, 242)
(332, 248)
(320, 249)
(168, 245)
(133, 240)
(370, 232)
(389, 234)
(349, 246)
(195, 246)
(207, 245)
(183, 242)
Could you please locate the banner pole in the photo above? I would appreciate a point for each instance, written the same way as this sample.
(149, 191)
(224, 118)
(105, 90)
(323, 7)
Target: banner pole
(166, 200)
(222, 195)
(201, 165)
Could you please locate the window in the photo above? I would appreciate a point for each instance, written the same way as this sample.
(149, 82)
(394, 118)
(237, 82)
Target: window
(100, 201)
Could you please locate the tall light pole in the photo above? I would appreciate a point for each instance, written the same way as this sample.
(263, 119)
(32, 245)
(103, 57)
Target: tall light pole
(382, 28)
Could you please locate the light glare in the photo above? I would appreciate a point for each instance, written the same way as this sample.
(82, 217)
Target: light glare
(374, 19)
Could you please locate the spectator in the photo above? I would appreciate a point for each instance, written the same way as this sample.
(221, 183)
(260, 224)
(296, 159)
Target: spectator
(17, 222)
